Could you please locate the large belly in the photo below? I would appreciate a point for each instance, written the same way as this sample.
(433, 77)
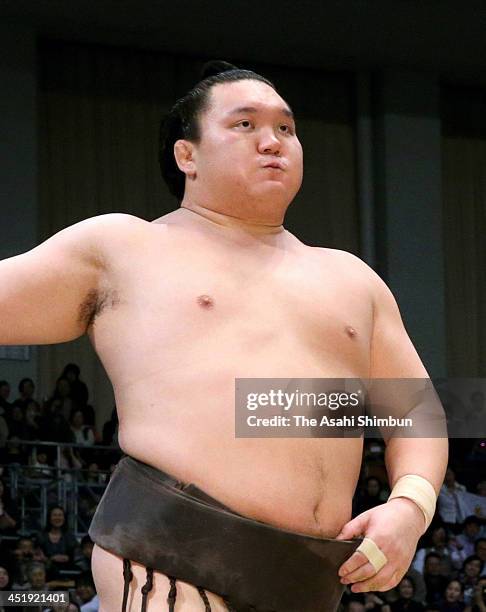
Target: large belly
(184, 423)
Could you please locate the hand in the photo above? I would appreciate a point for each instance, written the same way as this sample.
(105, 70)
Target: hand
(395, 527)
(60, 558)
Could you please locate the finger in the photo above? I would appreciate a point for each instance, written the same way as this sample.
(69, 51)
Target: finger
(354, 528)
(362, 573)
(354, 562)
(383, 581)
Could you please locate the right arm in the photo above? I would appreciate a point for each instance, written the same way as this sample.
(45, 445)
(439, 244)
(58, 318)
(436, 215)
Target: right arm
(46, 294)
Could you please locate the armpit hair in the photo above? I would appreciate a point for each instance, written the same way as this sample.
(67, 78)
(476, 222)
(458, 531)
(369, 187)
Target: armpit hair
(93, 305)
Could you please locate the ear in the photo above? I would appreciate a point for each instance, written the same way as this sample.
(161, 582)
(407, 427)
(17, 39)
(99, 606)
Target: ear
(184, 156)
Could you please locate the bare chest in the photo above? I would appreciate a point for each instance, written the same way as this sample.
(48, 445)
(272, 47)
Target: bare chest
(205, 303)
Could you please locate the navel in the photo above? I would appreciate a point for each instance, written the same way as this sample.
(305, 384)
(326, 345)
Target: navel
(205, 301)
(351, 332)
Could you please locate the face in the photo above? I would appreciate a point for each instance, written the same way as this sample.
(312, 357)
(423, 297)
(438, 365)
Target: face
(472, 568)
(26, 547)
(355, 606)
(432, 566)
(5, 391)
(471, 530)
(57, 517)
(41, 457)
(4, 577)
(38, 577)
(28, 389)
(247, 128)
(453, 591)
(481, 550)
(438, 536)
(450, 477)
(78, 419)
(405, 589)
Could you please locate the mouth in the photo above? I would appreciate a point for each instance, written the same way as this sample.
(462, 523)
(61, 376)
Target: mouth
(277, 165)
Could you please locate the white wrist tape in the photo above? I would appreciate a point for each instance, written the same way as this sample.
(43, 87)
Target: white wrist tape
(420, 491)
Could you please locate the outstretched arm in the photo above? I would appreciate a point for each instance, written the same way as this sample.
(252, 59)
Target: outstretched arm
(42, 291)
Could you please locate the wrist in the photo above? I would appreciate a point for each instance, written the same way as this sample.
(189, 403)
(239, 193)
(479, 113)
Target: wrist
(416, 513)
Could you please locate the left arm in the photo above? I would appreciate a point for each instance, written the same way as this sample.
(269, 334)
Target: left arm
(397, 525)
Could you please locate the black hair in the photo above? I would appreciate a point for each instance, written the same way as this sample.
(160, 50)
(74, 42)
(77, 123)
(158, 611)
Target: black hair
(472, 519)
(182, 121)
(410, 579)
(458, 582)
(48, 527)
(22, 383)
(4, 382)
(71, 367)
(473, 558)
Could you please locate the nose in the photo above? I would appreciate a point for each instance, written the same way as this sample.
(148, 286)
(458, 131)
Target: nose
(269, 143)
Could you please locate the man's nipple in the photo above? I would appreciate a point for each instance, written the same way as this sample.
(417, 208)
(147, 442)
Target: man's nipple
(205, 301)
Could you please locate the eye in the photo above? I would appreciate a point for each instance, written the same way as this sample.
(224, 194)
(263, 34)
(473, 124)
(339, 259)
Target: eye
(286, 129)
(245, 123)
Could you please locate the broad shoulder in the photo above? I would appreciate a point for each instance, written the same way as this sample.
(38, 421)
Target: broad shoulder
(356, 273)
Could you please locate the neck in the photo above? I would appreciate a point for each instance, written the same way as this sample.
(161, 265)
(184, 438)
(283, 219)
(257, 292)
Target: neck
(231, 221)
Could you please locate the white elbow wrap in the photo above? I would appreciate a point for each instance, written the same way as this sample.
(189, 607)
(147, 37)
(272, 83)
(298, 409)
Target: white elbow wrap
(420, 491)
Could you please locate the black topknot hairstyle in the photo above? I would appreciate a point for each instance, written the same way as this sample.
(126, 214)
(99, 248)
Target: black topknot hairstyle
(182, 121)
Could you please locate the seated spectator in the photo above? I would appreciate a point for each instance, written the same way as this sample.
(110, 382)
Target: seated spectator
(448, 502)
(405, 601)
(480, 551)
(16, 422)
(5, 579)
(4, 435)
(57, 543)
(26, 555)
(32, 428)
(370, 496)
(438, 544)
(453, 598)
(37, 578)
(86, 593)
(435, 581)
(5, 405)
(479, 597)
(61, 401)
(79, 390)
(40, 463)
(469, 576)
(15, 452)
(26, 391)
(83, 560)
(9, 512)
(83, 434)
(470, 532)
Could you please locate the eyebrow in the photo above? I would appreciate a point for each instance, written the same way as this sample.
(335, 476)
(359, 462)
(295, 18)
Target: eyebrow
(253, 109)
